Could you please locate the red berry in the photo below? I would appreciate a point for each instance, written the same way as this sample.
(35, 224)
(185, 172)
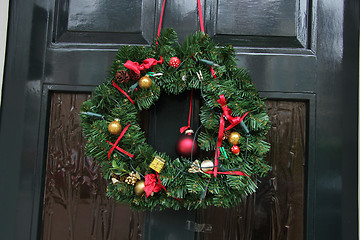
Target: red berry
(235, 149)
(174, 62)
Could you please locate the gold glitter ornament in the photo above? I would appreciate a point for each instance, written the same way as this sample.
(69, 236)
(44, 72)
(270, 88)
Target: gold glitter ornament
(234, 138)
(115, 127)
(145, 82)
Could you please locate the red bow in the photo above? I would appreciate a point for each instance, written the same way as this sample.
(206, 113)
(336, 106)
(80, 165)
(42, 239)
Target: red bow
(152, 185)
(227, 112)
(233, 122)
(147, 63)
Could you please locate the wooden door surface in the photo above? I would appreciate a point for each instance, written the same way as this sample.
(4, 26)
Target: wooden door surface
(302, 56)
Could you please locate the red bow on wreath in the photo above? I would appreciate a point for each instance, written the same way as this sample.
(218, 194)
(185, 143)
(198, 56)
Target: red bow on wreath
(147, 63)
(233, 122)
(227, 113)
(152, 184)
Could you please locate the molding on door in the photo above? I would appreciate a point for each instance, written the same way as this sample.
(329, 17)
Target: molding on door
(4, 10)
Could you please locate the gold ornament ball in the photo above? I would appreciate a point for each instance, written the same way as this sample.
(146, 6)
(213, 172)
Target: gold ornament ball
(145, 82)
(234, 138)
(139, 187)
(115, 127)
(207, 165)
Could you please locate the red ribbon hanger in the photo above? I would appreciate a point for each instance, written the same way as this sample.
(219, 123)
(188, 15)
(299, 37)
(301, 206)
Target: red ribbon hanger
(201, 20)
(160, 22)
(200, 16)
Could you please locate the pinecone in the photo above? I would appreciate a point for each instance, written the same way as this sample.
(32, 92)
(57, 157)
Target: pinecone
(134, 76)
(122, 76)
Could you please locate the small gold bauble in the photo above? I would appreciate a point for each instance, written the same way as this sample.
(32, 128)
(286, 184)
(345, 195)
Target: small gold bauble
(207, 165)
(145, 82)
(115, 127)
(234, 138)
(139, 187)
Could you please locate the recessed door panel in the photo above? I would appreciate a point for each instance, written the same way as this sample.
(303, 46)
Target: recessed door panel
(260, 23)
(103, 22)
(75, 203)
(276, 210)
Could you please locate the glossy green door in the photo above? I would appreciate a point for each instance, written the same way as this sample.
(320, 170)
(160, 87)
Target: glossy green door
(304, 51)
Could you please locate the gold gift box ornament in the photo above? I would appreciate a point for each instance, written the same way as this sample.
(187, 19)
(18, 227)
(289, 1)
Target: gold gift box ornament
(157, 164)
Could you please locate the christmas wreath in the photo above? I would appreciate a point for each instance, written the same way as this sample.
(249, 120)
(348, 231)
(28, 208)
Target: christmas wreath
(233, 126)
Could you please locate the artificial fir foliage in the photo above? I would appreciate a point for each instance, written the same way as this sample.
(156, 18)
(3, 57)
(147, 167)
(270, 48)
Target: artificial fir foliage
(202, 65)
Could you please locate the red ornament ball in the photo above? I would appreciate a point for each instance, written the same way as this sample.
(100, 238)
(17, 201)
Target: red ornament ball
(184, 145)
(235, 149)
(174, 62)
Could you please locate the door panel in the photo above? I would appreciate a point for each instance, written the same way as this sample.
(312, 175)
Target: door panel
(276, 210)
(103, 22)
(75, 202)
(259, 23)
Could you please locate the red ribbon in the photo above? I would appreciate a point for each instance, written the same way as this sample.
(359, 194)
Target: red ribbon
(239, 173)
(160, 22)
(152, 184)
(147, 63)
(213, 72)
(200, 16)
(183, 129)
(233, 122)
(116, 143)
(123, 92)
(122, 150)
(227, 113)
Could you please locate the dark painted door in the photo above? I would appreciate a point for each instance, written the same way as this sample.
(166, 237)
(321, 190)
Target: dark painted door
(302, 51)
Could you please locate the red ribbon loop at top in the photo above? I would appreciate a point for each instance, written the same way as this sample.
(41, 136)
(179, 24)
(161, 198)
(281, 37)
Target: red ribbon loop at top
(147, 63)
